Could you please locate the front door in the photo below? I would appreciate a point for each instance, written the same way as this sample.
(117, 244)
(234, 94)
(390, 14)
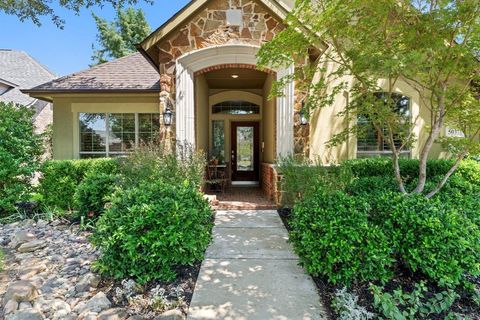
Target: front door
(245, 151)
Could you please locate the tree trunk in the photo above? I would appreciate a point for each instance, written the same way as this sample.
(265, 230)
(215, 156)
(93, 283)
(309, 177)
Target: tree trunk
(446, 177)
(437, 125)
(398, 176)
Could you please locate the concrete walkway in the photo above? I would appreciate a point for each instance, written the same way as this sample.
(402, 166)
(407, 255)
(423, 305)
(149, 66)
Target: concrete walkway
(251, 272)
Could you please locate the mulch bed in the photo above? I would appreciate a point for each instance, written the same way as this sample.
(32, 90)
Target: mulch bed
(404, 279)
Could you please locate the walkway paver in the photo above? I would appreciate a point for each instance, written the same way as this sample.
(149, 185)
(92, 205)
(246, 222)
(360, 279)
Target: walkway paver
(251, 272)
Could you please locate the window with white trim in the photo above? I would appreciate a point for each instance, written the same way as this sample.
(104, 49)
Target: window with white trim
(371, 141)
(115, 134)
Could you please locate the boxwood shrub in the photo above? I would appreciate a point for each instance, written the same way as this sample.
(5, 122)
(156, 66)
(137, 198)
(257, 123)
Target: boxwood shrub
(152, 228)
(333, 236)
(60, 179)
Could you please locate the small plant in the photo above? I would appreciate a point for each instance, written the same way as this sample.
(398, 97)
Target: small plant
(347, 307)
(401, 305)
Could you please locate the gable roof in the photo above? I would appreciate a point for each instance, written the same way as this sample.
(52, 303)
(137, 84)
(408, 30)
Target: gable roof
(19, 71)
(147, 46)
(131, 73)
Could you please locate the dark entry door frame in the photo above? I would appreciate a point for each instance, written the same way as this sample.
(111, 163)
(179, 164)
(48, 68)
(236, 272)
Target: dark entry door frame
(250, 172)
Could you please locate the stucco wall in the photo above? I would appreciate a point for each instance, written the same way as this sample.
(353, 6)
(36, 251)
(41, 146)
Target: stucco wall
(67, 107)
(325, 123)
(202, 124)
(268, 122)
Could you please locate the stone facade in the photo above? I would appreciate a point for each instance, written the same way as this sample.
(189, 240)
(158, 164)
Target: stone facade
(211, 27)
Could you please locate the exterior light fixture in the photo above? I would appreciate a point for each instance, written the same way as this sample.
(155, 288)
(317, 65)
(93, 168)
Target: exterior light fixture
(303, 115)
(235, 76)
(167, 117)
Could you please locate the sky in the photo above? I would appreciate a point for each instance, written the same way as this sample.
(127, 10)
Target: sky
(70, 50)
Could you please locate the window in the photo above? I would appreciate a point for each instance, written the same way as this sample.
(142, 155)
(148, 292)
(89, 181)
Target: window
(218, 143)
(236, 108)
(371, 142)
(115, 134)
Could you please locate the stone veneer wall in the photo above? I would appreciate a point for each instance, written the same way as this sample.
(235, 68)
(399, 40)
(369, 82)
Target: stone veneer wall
(209, 28)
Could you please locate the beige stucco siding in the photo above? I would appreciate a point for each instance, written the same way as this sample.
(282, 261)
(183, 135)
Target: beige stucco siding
(325, 123)
(67, 107)
(202, 113)
(268, 122)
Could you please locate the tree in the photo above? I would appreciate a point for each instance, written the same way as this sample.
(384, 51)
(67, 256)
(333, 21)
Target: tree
(433, 46)
(118, 38)
(35, 9)
(20, 151)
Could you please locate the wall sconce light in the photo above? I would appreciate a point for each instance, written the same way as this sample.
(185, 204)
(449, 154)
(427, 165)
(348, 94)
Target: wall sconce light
(167, 117)
(303, 115)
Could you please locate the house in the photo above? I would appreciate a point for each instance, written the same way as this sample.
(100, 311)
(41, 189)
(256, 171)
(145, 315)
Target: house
(201, 65)
(19, 71)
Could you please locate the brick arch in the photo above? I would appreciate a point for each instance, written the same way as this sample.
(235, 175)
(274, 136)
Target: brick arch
(233, 66)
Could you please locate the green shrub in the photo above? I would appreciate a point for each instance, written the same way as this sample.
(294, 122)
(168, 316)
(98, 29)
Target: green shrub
(374, 167)
(60, 179)
(93, 192)
(429, 235)
(333, 237)
(151, 228)
(20, 150)
(154, 162)
(301, 175)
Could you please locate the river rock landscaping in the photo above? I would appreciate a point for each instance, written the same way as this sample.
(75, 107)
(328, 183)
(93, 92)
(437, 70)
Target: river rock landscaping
(48, 274)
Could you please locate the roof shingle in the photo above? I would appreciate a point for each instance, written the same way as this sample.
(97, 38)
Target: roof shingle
(129, 73)
(19, 71)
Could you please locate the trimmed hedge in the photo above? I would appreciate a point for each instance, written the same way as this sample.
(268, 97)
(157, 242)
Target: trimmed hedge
(375, 167)
(364, 230)
(60, 179)
(333, 236)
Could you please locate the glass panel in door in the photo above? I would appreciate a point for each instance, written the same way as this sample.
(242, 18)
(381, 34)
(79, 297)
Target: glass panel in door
(245, 148)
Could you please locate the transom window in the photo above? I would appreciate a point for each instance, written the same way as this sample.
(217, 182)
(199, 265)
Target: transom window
(370, 141)
(115, 134)
(237, 107)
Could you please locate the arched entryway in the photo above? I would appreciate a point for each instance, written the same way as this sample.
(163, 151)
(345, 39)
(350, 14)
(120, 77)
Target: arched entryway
(234, 56)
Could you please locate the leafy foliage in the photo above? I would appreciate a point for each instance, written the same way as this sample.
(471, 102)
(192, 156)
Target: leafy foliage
(430, 236)
(20, 151)
(333, 237)
(118, 38)
(337, 229)
(35, 9)
(367, 47)
(155, 161)
(151, 228)
(93, 192)
(300, 175)
(60, 179)
(414, 305)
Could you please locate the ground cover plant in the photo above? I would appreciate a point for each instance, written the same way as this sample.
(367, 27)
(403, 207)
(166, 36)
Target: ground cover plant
(400, 257)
